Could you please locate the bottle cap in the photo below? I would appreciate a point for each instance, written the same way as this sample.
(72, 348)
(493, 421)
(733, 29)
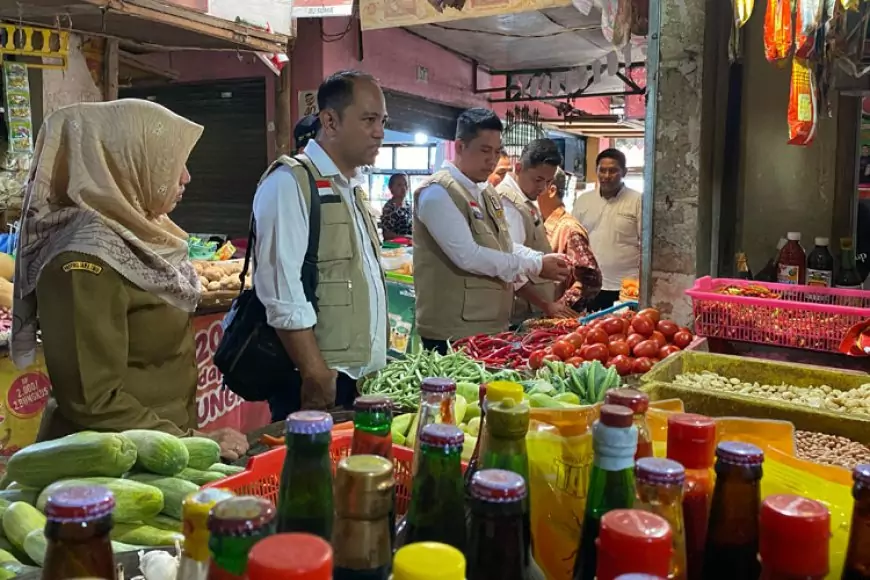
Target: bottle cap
(635, 400)
(498, 486)
(661, 471)
(638, 577)
(428, 561)
(500, 390)
(644, 535)
(438, 385)
(861, 474)
(194, 513)
(691, 440)
(79, 503)
(794, 236)
(845, 243)
(794, 533)
(441, 435)
(616, 416)
(364, 487)
(240, 516)
(373, 403)
(290, 557)
(739, 453)
(309, 423)
(822, 241)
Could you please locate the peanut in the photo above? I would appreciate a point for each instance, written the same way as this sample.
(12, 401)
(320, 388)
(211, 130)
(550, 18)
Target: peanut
(830, 449)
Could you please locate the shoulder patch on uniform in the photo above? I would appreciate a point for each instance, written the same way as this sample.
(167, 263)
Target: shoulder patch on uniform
(84, 267)
(475, 210)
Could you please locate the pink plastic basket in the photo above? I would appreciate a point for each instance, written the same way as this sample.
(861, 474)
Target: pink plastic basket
(803, 317)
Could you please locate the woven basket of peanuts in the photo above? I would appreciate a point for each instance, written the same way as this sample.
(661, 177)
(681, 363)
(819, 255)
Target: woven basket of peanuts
(220, 280)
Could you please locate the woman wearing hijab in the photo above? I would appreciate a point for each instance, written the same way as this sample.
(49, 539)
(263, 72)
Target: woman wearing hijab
(106, 272)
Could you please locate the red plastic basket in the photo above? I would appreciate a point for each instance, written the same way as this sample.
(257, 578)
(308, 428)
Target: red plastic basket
(262, 477)
(803, 317)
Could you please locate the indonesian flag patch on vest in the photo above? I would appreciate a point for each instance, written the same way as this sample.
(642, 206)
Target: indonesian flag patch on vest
(324, 187)
(475, 209)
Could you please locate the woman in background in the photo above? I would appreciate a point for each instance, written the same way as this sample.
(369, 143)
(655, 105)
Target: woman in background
(107, 275)
(396, 217)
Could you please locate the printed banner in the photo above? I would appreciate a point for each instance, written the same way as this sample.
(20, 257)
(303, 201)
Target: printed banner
(24, 396)
(394, 13)
(321, 8)
(402, 304)
(18, 107)
(307, 103)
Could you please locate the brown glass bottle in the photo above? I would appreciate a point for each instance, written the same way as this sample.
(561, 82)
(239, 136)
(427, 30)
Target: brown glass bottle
(858, 554)
(79, 522)
(732, 538)
(793, 540)
(638, 402)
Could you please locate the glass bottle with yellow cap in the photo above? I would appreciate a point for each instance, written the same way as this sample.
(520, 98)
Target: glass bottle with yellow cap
(428, 561)
(195, 510)
(290, 557)
(236, 525)
(361, 534)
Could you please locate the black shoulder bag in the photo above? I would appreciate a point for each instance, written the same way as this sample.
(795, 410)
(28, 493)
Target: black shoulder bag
(254, 362)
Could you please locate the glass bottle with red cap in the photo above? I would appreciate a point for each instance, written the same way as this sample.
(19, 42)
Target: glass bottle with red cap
(236, 525)
(858, 553)
(692, 443)
(436, 512)
(638, 402)
(305, 495)
(732, 536)
(437, 405)
(660, 491)
(290, 557)
(633, 541)
(77, 530)
(372, 419)
(497, 539)
(793, 538)
(611, 483)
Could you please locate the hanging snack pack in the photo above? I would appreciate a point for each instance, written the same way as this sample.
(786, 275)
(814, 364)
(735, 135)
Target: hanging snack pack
(777, 30)
(808, 19)
(742, 11)
(803, 104)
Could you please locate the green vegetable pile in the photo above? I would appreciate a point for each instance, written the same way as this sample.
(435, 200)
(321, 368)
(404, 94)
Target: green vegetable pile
(559, 385)
(401, 379)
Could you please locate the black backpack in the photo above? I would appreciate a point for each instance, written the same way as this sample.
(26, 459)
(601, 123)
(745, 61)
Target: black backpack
(254, 362)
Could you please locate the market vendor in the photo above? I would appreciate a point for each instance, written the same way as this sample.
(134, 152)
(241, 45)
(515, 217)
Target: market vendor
(107, 272)
(501, 169)
(465, 263)
(519, 191)
(567, 236)
(396, 215)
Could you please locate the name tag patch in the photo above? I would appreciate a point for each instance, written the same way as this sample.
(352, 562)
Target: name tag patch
(475, 210)
(84, 267)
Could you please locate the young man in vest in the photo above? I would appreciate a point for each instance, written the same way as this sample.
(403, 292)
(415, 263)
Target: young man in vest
(519, 191)
(346, 337)
(465, 263)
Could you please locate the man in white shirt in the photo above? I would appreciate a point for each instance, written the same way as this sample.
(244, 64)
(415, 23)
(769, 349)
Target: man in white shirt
(612, 216)
(465, 263)
(341, 335)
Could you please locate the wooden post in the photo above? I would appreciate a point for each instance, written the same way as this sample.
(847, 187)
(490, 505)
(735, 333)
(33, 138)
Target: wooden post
(110, 70)
(284, 144)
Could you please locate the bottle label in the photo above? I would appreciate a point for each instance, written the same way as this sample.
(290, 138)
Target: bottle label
(788, 274)
(821, 278)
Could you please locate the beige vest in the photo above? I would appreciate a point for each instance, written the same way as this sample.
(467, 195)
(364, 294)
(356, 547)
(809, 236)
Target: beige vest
(453, 303)
(536, 239)
(343, 322)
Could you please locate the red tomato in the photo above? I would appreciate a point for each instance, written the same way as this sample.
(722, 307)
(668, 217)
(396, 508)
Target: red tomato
(633, 340)
(646, 349)
(596, 352)
(575, 339)
(596, 336)
(642, 325)
(668, 328)
(686, 329)
(574, 361)
(618, 337)
(651, 313)
(619, 348)
(536, 359)
(552, 358)
(666, 351)
(642, 365)
(613, 325)
(659, 338)
(628, 314)
(563, 349)
(622, 363)
(683, 339)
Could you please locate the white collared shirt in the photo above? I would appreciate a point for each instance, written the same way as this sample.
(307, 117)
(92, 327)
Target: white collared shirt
(450, 230)
(282, 238)
(514, 220)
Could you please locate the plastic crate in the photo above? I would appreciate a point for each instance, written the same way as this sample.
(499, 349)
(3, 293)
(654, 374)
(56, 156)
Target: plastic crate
(803, 317)
(262, 477)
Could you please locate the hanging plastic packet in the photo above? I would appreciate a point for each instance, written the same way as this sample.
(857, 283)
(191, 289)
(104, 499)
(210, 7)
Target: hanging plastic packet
(803, 104)
(742, 11)
(853, 5)
(777, 30)
(616, 21)
(808, 19)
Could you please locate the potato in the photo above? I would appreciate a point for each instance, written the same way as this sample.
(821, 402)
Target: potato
(203, 281)
(214, 286)
(213, 274)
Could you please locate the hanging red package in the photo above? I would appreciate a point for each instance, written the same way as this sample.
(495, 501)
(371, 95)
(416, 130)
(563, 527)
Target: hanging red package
(803, 111)
(777, 30)
(808, 19)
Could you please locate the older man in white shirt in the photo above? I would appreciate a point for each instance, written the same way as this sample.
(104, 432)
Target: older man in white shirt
(465, 263)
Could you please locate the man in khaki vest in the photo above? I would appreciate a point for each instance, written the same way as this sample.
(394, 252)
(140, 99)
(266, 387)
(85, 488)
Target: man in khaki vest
(346, 337)
(531, 177)
(465, 263)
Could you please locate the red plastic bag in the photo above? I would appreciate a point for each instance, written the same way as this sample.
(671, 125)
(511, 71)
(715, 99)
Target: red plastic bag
(808, 19)
(777, 30)
(803, 105)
